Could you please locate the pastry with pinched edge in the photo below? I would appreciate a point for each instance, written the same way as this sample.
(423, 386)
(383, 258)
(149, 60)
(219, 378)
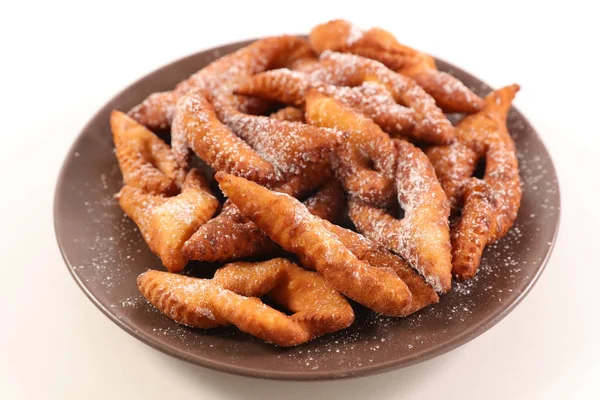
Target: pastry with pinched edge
(291, 147)
(259, 148)
(166, 223)
(489, 205)
(449, 93)
(365, 162)
(456, 163)
(215, 144)
(146, 162)
(422, 237)
(231, 297)
(229, 236)
(289, 224)
(220, 76)
(370, 98)
(431, 124)
(377, 256)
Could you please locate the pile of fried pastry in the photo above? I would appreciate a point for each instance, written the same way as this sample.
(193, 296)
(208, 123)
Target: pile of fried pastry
(300, 134)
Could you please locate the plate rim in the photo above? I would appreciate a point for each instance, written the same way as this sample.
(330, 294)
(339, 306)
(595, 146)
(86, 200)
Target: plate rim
(424, 355)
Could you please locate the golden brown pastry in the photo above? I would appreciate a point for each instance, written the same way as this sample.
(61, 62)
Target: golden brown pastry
(422, 237)
(377, 256)
(146, 162)
(289, 224)
(370, 98)
(231, 297)
(431, 125)
(449, 93)
(166, 223)
(291, 147)
(489, 206)
(365, 162)
(214, 143)
(289, 113)
(220, 76)
(229, 236)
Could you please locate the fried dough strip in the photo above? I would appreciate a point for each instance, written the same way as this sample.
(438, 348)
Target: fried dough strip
(196, 121)
(456, 163)
(422, 237)
(220, 76)
(166, 223)
(146, 162)
(449, 93)
(377, 256)
(489, 206)
(365, 163)
(370, 98)
(288, 223)
(291, 147)
(431, 125)
(229, 236)
(231, 297)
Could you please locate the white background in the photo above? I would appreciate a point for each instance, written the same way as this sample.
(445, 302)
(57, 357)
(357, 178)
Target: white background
(60, 62)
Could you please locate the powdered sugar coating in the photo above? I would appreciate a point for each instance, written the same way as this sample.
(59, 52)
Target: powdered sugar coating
(288, 223)
(422, 237)
(291, 147)
(370, 98)
(375, 43)
(349, 69)
(354, 35)
(489, 206)
(221, 76)
(214, 143)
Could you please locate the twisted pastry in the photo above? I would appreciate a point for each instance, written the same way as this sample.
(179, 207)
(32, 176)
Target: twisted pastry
(146, 162)
(196, 121)
(455, 164)
(231, 297)
(422, 237)
(365, 162)
(489, 206)
(288, 223)
(431, 125)
(449, 93)
(370, 98)
(220, 76)
(229, 236)
(166, 223)
(291, 147)
(256, 147)
(375, 255)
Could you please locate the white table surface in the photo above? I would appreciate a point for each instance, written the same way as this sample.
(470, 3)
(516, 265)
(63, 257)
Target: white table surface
(62, 61)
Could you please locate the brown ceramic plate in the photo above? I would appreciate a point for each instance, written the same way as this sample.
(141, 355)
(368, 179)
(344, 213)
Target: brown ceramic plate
(105, 253)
